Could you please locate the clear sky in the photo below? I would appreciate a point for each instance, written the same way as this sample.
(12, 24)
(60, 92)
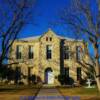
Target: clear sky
(46, 13)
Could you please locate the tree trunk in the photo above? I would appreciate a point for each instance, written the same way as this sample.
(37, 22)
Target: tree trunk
(97, 70)
(97, 66)
(98, 83)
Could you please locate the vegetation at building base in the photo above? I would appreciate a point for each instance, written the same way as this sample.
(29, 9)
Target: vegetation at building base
(65, 80)
(8, 74)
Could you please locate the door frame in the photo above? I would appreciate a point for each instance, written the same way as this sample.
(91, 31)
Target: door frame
(47, 70)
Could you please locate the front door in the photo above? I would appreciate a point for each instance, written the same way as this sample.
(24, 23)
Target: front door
(49, 76)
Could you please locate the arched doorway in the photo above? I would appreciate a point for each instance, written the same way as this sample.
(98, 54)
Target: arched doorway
(49, 76)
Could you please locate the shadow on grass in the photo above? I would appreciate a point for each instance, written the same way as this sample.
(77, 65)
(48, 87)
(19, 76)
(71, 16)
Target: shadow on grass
(14, 88)
(78, 91)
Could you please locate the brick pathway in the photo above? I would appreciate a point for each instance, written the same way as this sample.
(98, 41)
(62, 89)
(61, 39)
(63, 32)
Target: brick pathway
(49, 94)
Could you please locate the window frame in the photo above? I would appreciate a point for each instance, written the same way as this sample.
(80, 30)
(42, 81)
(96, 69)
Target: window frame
(78, 53)
(48, 52)
(30, 52)
(18, 52)
(67, 55)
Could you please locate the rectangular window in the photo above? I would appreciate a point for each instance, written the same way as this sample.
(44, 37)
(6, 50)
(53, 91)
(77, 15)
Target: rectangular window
(49, 52)
(78, 54)
(46, 38)
(18, 52)
(66, 52)
(78, 73)
(30, 53)
(67, 71)
(50, 38)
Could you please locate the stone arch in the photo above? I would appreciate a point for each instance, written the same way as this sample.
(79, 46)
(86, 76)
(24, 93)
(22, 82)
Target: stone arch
(49, 76)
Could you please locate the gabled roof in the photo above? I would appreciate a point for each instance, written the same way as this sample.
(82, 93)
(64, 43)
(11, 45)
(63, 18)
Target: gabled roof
(50, 31)
(67, 38)
(30, 38)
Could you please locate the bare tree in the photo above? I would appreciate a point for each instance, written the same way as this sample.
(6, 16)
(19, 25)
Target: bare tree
(14, 14)
(81, 16)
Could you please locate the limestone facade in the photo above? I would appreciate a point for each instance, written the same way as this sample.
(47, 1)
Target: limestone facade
(39, 62)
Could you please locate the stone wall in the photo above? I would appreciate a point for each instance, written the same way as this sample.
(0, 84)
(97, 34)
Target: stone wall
(39, 63)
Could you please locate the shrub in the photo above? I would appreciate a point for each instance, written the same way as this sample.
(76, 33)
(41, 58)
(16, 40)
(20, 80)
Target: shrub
(65, 80)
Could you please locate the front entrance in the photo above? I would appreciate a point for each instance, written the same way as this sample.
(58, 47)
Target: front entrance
(49, 76)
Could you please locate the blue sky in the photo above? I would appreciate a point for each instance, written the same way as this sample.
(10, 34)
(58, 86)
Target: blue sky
(45, 13)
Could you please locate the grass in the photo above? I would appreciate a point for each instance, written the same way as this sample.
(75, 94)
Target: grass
(84, 93)
(13, 92)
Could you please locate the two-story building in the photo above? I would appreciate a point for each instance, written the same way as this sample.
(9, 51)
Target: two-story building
(47, 56)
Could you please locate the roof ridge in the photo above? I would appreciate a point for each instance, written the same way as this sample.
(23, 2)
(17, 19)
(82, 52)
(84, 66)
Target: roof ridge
(68, 38)
(31, 37)
(50, 30)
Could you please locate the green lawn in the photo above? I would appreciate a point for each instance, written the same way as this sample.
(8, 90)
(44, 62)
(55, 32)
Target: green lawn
(13, 92)
(84, 93)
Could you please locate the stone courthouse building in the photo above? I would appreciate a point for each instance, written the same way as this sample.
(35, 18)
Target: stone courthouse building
(47, 56)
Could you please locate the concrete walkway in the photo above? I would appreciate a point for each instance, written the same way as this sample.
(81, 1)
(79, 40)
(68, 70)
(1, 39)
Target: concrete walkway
(49, 93)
